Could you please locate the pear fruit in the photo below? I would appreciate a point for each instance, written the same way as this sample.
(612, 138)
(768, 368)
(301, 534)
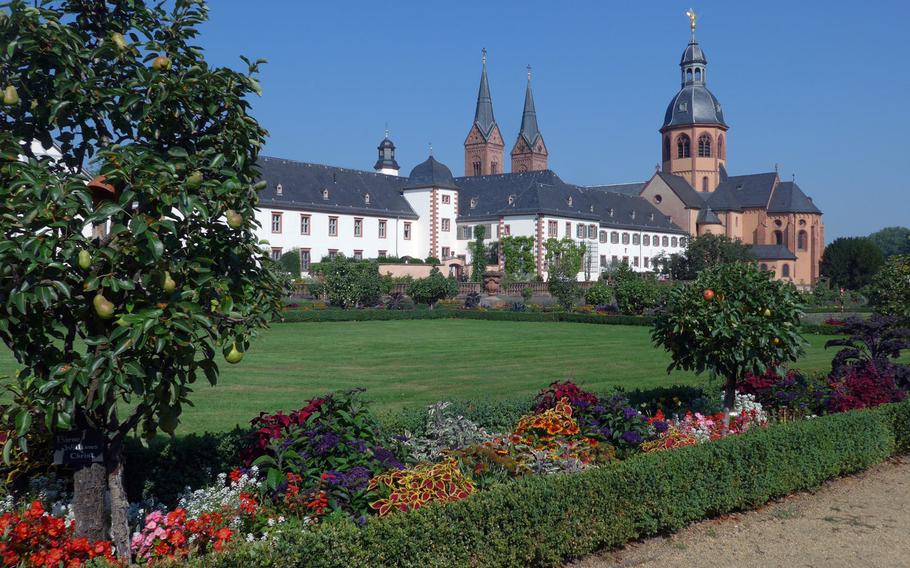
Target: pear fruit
(194, 180)
(103, 307)
(10, 96)
(234, 355)
(85, 259)
(119, 41)
(234, 219)
(767, 312)
(161, 63)
(168, 283)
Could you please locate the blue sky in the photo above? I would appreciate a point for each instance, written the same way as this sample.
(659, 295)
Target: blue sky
(820, 88)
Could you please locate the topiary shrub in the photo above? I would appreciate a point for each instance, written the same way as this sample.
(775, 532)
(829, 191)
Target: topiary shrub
(433, 288)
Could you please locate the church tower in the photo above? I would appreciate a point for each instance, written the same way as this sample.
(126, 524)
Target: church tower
(530, 152)
(693, 136)
(483, 148)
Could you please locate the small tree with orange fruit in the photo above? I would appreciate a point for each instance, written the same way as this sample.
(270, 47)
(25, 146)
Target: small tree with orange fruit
(734, 319)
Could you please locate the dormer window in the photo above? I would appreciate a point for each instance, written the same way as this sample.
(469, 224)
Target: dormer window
(611, 211)
(592, 209)
(473, 202)
(366, 198)
(633, 214)
(325, 194)
(278, 189)
(652, 216)
(570, 201)
(511, 200)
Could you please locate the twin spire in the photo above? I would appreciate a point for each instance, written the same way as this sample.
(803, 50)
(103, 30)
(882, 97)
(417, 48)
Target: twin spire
(483, 153)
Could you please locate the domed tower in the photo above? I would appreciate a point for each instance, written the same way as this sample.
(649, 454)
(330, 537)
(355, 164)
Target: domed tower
(694, 134)
(530, 152)
(483, 148)
(386, 163)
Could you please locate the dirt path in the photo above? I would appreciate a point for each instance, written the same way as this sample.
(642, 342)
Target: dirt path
(858, 521)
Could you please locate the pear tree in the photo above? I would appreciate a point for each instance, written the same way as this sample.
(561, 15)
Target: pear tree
(731, 321)
(129, 264)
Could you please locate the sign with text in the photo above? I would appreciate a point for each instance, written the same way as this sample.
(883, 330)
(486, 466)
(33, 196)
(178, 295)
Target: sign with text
(82, 447)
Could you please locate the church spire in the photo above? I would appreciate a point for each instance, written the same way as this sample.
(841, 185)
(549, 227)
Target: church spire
(483, 115)
(529, 152)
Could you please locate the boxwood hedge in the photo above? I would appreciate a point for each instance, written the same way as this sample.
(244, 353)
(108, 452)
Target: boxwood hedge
(543, 521)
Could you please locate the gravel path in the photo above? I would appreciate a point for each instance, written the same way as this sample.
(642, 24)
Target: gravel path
(857, 521)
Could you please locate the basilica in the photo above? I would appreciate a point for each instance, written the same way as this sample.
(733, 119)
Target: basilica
(319, 210)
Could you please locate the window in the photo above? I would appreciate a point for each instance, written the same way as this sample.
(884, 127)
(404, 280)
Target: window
(658, 198)
(778, 237)
(704, 183)
(325, 194)
(697, 74)
(304, 224)
(666, 148)
(466, 231)
(511, 199)
(446, 225)
(305, 260)
(446, 252)
(636, 261)
(802, 240)
(494, 168)
(614, 238)
(278, 189)
(358, 227)
(276, 253)
(358, 255)
(383, 254)
(603, 260)
(473, 202)
(720, 147)
(592, 231)
(366, 199)
(333, 253)
(647, 242)
(568, 229)
(763, 266)
(276, 222)
(446, 199)
(614, 260)
(570, 201)
(382, 228)
(647, 261)
(656, 240)
(665, 241)
(476, 166)
(625, 238)
(603, 236)
(506, 230)
(682, 146)
(333, 226)
(674, 242)
(625, 260)
(552, 229)
(704, 146)
(636, 239)
(580, 231)
(785, 271)
(407, 231)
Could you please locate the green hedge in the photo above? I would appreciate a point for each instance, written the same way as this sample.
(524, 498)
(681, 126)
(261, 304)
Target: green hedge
(543, 521)
(334, 315)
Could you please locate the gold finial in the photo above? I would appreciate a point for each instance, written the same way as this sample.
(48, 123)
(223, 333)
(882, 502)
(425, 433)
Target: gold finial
(691, 14)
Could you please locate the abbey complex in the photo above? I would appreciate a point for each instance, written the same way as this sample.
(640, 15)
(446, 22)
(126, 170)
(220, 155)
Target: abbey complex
(323, 210)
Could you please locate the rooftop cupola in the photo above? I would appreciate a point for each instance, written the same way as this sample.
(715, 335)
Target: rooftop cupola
(386, 163)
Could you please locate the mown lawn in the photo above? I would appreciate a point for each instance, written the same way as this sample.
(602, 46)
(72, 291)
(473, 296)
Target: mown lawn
(407, 363)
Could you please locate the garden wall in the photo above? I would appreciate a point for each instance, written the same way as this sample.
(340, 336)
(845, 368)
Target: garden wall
(544, 521)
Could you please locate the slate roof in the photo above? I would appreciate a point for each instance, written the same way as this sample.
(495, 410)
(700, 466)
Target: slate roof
(633, 189)
(751, 191)
(772, 252)
(708, 217)
(694, 104)
(529, 130)
(532, 193)
(628, 212)
(693, 54)
(431, 173)
(302, 184)
(680, 186)
(483, 113)
(789, 198)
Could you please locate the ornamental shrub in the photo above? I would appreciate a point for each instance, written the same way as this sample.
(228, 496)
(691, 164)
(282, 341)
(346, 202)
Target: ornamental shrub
(349, 283)
(863, 386)
(444, 430)
(879, 341)
(433, 288)
(793, 390)
(599, 294)
(550, 396)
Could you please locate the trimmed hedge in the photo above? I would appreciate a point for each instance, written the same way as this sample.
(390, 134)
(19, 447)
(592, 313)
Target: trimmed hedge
(543, 521)
(333, 315)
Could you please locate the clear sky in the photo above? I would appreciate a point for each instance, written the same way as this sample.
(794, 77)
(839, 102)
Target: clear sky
(820, 88)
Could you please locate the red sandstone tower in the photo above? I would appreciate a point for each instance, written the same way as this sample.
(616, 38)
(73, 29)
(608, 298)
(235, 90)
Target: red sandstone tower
(530, 151)
(483, 148)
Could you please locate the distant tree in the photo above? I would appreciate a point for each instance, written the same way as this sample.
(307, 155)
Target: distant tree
(564, 259)
(478, 254)
(290, 261)
(634, 293)
(889, 292)
(518, 257)
(703, 252)
(892, 240)
(851, 262)
(351, 283)
(433, 288)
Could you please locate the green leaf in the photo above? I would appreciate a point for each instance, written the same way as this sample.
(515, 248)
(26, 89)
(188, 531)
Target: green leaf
(23, 422)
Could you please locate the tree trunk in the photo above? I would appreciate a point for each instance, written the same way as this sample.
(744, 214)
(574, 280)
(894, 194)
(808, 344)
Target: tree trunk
(89, 491)
(120, 529)
(729, 400)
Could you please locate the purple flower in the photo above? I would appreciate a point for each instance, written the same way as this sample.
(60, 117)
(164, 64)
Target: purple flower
(629, 413)
(359, 445)
(598, 409)
(361, 520)
(631, 437)
(660, 426)
(387, 458)
(606, 432)
(327, 443)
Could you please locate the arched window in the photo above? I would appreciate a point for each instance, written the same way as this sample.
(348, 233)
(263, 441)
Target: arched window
(666, 148)
(625, 238)
(785, 271)
(476, 166)
(682, 146)
(778, 237)
(763, 266)
(665, 241)
(704, 146)
(688, 75)
(614, 237)
(704, 183)
(721, 151)
(674, 242)
(647, 240)
(636, 239)
(802, 240)
(698, 74)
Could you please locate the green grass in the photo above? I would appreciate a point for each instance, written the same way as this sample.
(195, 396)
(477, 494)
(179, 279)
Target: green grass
(409, 363)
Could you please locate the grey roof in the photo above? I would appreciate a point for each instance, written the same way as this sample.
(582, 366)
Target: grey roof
(723, 200)
(693, 54)
(483, 114)
(633, 189)
(772, 252)
(694, 104)
(708, 217)
(382, 162)
(302, 186)
(752, 191)
(789, 198)
(529, 130)
(680, 186)
(543, 192)
(430, 173)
